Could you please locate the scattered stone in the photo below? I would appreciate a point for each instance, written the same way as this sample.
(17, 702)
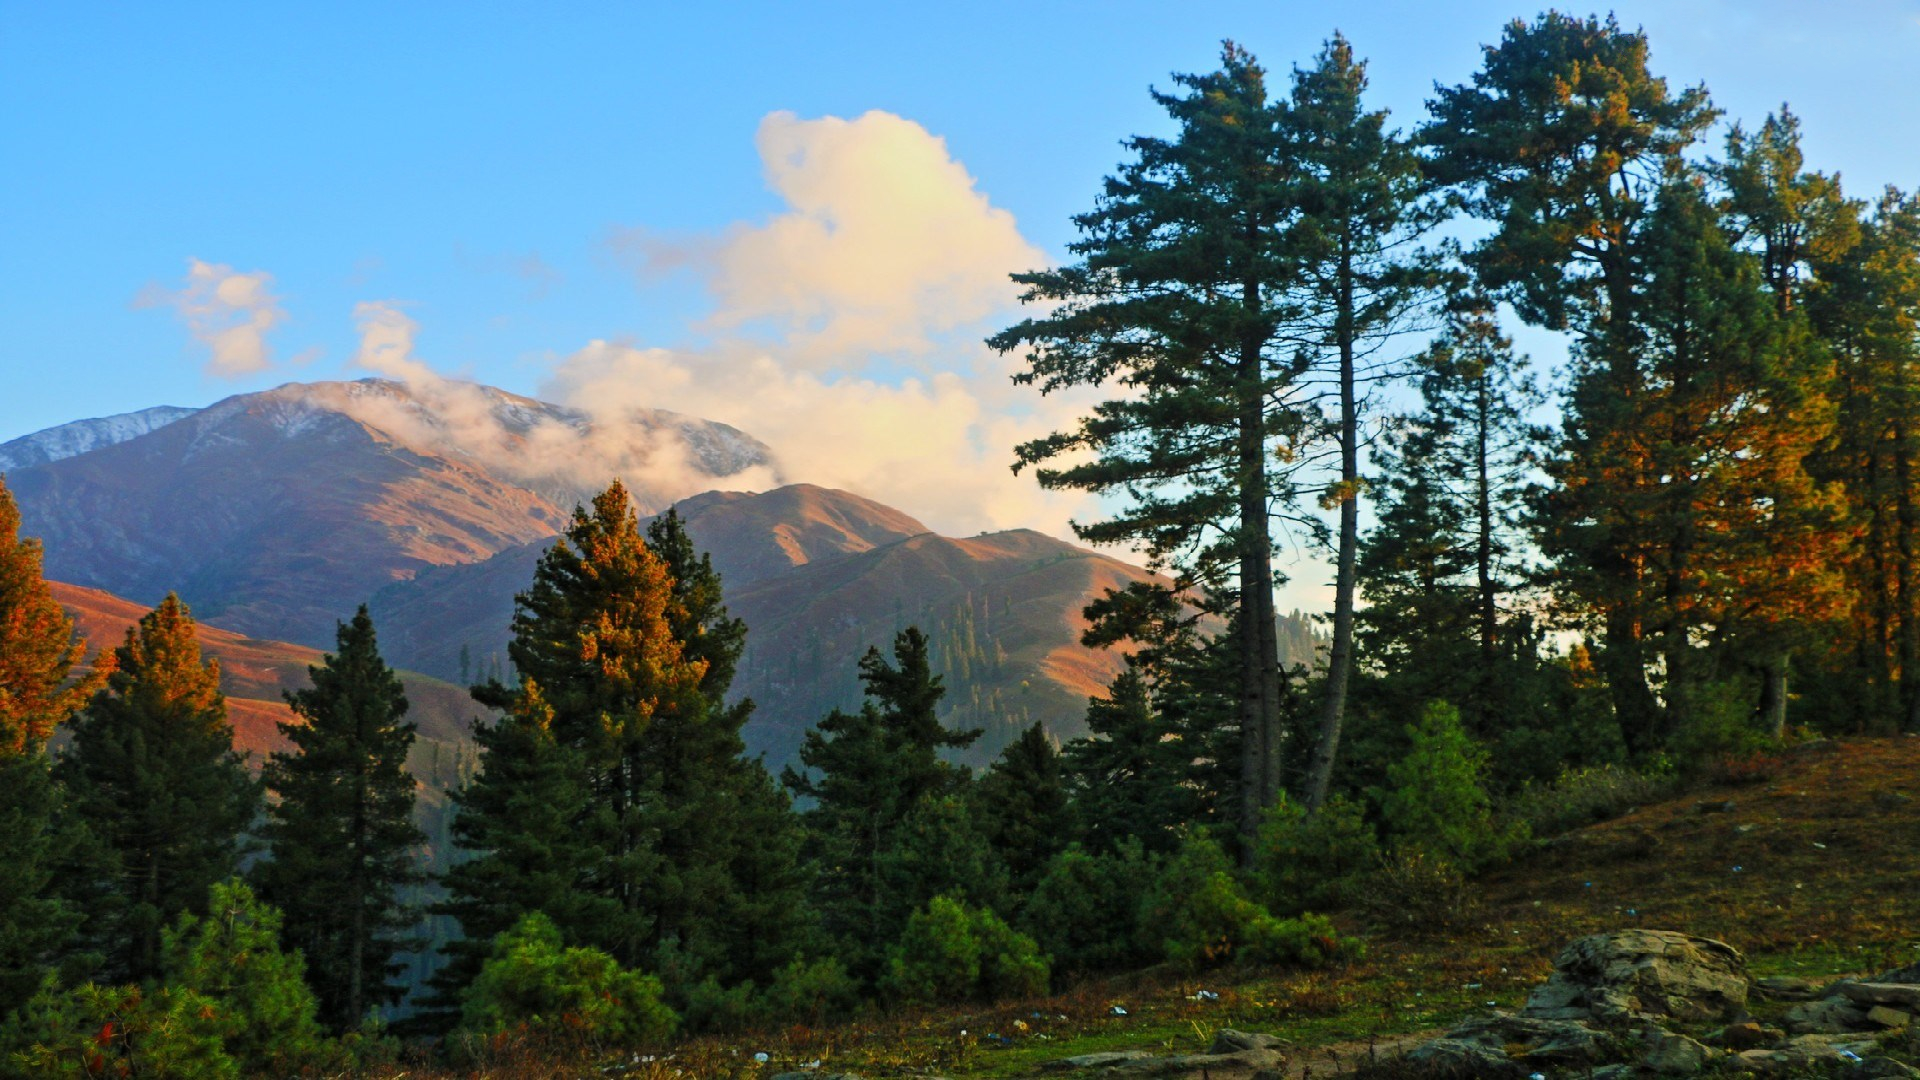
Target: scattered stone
(1641, 975)
(1673, 1055)
(1229, 1041)
(1787, 988)
(1107, 1060)
(1888, 1017)
(1746, 1035)
(1905, 995)
(1828, 1016)
(1808, 1053)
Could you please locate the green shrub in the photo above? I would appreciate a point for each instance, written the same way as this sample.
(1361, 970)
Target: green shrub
(710, 1007)
(811, 992)
(1084, 912)
(1436, 798)
(232, 958)
(532, 984)
(950, 952)
(1313, 862)
(1716, 723)
(1416, 889)
(1584, 796)
(121, 1031)
(1198, 915)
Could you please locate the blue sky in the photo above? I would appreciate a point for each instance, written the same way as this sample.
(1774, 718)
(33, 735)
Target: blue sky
(509, 184)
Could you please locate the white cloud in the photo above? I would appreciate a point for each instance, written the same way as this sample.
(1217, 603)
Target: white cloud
(228, 311)
(886, 245)
(846, 329)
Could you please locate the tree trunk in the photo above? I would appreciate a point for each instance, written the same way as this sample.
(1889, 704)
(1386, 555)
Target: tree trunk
(1340, 655)
(1905, 613)
(1773, 695)
(1489, 613)
(1259, 660)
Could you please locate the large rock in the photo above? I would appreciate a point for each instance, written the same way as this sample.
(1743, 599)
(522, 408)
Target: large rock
(1643, 975)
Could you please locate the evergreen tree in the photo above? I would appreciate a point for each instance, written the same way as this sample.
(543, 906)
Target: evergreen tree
(341, 834)
(38, 693)
(519, 823)
(153, 774)
(233, 958)
(1562, 139)
(628, 652)
(1022, 803)
(866, 772)
(1183, 297)
(1362, 213)
(1125, 773)
(1443, 567)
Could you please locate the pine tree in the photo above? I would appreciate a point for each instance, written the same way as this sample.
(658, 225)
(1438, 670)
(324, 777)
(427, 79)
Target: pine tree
(866, 772)
(38, 693)
(1562, 139)
(341, 834)
(1021, 803)
(1363, 212)
(153, 774)
(1183, 298)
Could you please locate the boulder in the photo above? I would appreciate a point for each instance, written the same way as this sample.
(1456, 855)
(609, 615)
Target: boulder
(1107, 1060)
(1643, 975)
(1899, 995)
(1229, 1041)
(1462, 1058)
(1746, 1035)
(1828, 1016)
(1672, 1055)
(1787, 988)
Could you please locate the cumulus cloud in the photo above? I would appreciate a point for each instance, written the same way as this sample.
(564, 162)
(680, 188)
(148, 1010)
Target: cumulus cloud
(846, 329)
(228, 311)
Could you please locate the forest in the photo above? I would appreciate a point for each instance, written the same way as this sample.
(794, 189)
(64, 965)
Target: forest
(1557, 594)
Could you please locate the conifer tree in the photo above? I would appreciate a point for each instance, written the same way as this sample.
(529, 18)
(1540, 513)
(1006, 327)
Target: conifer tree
(38, 693)
(1022, 803)
(341, 834)
(1183, 297)
(866, 772)
(153, 774)
(1562, 139)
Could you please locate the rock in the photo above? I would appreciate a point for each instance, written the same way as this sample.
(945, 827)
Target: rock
(1673, 1055)
(1462, 1058)
(1229, 1041)
(1535, 1041)
(1881, 1068)
(1092, 1061)
(1909, 974)
(1808, 1053)
(1903, 995)
(1746, 1035)
(1787, 988)
(1888, 1017)
(1828, 1016)
(1643, 974)
(1180, 1064)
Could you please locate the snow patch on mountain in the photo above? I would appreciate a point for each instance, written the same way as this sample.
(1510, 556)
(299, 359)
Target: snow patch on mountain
(81, 436)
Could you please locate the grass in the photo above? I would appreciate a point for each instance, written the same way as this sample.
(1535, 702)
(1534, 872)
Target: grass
(1810, 865)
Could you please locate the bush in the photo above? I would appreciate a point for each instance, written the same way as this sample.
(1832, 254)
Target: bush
(1084, 912)
(232, 958)
(811, 992)
(1585, 796)
(1716, 724)
(1313, 862)
(710, 1007)
(1437, 798)
(1416, 889)
(531, 984)
(121, 1031)
(1200, 916)
(950, 952)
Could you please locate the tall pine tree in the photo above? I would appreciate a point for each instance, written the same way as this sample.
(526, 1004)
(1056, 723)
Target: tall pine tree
(153, 774)
(341, 832)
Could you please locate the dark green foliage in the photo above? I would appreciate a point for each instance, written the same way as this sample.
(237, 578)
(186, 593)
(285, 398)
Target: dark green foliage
(1436, 797)
(1125, 774)
(1196, 914)
(153, 775)
(951, 952)
(655, 838)
(533, 985)
(866, 773)
(810, 992)
(939, 849)
(1084, 911)
(126, 1031)
(264, 1012)
(341, 834)
(34, 924)
(1021, 804)
(1313, 862)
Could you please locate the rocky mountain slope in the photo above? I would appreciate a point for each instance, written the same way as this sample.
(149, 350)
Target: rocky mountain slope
(68, 440)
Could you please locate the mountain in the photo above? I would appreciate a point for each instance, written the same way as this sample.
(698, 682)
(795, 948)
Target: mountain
(276, 513)
(819, 576)
(70, 440)
(254, 673)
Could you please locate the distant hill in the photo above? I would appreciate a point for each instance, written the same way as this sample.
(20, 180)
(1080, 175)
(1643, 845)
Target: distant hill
(819, 576)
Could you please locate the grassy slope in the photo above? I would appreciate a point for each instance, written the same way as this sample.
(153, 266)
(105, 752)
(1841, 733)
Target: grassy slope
(1827, 846)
